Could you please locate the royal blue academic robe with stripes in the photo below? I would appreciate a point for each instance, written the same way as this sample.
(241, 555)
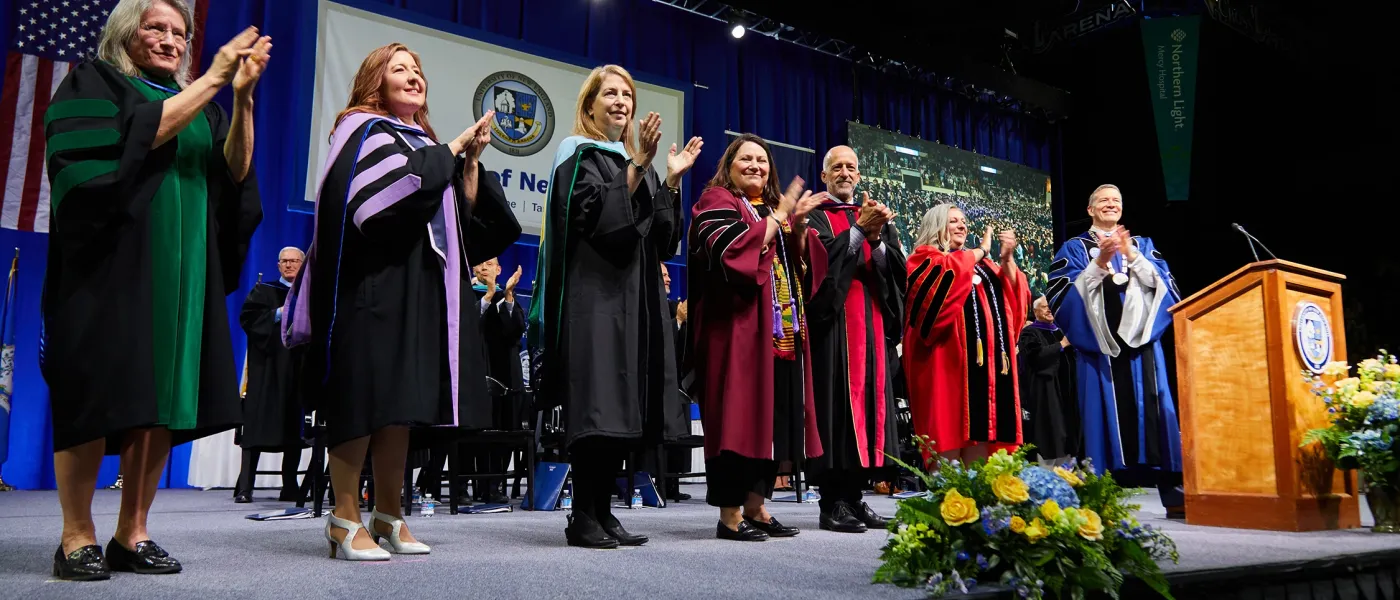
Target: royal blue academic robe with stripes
(1125, 400)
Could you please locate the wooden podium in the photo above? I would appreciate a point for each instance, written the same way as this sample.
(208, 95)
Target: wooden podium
(1245, 407)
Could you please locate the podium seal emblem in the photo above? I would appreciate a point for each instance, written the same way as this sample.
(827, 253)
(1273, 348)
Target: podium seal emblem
(1312, 335)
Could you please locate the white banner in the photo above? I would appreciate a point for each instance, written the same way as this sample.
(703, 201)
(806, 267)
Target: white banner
(534, 98)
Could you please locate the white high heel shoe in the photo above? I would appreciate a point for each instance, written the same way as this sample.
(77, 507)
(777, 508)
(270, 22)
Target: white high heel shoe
(346, 551)
(395, 542)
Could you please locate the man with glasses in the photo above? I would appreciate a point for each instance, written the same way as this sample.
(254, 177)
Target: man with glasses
(272, 413)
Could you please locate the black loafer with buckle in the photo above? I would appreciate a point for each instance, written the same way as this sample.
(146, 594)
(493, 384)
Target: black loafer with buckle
(83, 564)
(773, 528)
(147, 559)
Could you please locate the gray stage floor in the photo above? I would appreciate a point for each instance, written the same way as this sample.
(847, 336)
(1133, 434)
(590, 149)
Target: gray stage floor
(523, 555)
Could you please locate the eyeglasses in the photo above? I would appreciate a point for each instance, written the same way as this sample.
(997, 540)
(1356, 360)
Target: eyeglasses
(289, 261)
(160, 30)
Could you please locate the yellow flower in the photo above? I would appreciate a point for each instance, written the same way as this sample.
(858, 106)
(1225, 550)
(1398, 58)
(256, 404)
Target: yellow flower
(1093, 529)
(1050, 510)
(1036, 531)
(1348, 386)
(1392, 372)
(1336, 368)
(1369, 366)
(1069, 476)
(1018, 524)
(1010, 489)
(957, 509)
(1363, 399)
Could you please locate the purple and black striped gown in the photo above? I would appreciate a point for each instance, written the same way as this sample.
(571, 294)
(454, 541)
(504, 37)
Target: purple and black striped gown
(384, 300)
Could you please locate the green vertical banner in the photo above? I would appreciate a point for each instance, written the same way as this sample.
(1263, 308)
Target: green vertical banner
(1171, 48)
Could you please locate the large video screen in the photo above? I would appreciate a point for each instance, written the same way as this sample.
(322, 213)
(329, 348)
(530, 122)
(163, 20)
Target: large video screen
(913, 175)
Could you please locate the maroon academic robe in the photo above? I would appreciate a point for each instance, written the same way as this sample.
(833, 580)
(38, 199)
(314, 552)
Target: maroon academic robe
(731, 320)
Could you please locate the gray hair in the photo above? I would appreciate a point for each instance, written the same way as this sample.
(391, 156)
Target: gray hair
(292, 248)
(1106, 186)
(122, 27)
(1039, 302)
(933, 229)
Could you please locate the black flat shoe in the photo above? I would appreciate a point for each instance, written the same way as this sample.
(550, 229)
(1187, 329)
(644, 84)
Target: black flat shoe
(773, 528)
(585, 533)
(614, 529)
(745, 533)
(147, 559)
(83, 564)
(841, 519)
(870, 518)
(242, 498)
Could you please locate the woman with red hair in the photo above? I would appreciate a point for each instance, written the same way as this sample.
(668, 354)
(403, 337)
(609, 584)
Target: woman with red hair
(384, 299)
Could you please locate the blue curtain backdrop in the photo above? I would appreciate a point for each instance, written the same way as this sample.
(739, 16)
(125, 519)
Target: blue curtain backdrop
(779, 91)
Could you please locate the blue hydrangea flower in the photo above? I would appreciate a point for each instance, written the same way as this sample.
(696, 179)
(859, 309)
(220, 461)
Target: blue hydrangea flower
(1385, 409)
(1043, 484)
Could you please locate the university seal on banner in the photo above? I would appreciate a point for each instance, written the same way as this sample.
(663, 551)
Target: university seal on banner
(524, 122)
(1312, 334)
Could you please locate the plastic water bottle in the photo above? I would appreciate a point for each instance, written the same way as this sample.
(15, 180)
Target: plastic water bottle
(636, 498)
(417, 496)
(566, 502)
(429, 507)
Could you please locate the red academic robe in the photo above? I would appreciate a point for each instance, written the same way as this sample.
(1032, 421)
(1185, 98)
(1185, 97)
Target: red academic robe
(936, 346)
(731, 320)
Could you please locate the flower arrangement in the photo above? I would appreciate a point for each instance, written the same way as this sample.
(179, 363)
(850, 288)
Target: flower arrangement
(1365, 415)
(1035, 530)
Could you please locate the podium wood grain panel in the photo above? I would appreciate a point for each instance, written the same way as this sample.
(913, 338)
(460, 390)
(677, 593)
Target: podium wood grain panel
(1245, 408)
(1235, 447)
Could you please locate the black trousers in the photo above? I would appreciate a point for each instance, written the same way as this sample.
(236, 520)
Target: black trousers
(843, 485)
(1169, 484)
(290, 460)
(730, 478)
(595, 463)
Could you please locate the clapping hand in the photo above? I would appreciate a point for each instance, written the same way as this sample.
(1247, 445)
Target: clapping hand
(510, 284)
(489, 280)
(678, 163)
(252, 68)
(872, 216)
(987, 242)
(229, 59)
(787, 203)
(1108, 246)
(475, 139)
(1125, 244)
(648, 137)
(1008, 245)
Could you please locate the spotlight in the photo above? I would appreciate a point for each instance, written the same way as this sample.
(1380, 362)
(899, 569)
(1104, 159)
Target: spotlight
(737, 30)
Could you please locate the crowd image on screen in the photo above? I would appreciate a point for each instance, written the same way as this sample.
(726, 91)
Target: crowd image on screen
(925, 174)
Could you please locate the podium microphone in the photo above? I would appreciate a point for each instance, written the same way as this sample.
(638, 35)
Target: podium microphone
(1252, 241)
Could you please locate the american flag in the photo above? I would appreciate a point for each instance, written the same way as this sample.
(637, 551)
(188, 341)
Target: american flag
(48, 38)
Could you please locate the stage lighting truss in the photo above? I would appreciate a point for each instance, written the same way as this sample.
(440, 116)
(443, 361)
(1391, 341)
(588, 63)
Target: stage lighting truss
(777, 30)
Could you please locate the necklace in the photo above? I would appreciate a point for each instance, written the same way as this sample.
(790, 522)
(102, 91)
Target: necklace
(1001, 341)
(1119, 277)
(795, 292)
(977, 323)
(158, 86)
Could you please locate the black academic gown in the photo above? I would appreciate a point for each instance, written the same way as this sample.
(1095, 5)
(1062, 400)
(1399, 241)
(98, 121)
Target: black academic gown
(272, 413)
(838, 417)
(502, 330)
(388, 263)
(609, 334)
(96, 350)
(1047, 393)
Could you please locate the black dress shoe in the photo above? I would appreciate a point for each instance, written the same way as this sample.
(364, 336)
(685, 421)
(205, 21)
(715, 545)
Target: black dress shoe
(745, 533)
(147, 558)
(289, 496)
(584, 532)
(83, 564)
(841, 519)
(613, 528)
(242, 498)
(871, 520)
(773, 528)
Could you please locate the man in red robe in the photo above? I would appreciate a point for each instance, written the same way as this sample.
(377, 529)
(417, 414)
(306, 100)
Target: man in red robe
(857, 320)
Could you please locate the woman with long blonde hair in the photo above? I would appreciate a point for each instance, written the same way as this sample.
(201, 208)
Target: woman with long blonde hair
(600, 323)
(965, 313)
(384, 302)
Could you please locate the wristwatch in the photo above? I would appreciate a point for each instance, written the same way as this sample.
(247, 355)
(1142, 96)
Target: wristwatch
(636, 165)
